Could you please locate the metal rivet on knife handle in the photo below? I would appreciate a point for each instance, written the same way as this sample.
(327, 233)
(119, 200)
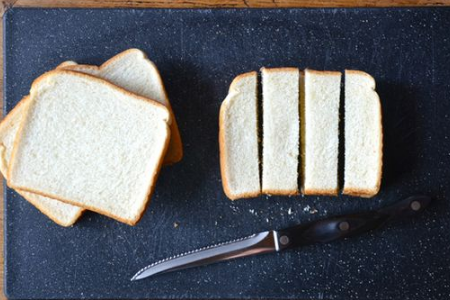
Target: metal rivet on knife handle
(415, 205)
(321, 231)
(284, 240)
(344, 226)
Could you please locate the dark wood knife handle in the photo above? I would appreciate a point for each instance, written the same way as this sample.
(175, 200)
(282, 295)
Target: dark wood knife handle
(333, 228)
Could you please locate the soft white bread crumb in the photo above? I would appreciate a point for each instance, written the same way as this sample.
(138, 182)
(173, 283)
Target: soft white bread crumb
(238, 139)
(281, 127)
(134, 72)
(87, 142)
(363, 135)
(61, 213)
(321, 132)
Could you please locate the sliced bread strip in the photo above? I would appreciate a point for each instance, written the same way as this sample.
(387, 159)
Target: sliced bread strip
(238, 138)
(134, 72)
(363, 135)
(86, 142)
(321, 132)
(281, 127)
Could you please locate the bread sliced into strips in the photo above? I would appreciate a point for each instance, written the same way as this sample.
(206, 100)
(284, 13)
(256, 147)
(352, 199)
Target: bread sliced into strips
(281, 127)
(133, 71)
(363, 135)
(238, 138)
(61, 213)
(86, 142)
(321, 132)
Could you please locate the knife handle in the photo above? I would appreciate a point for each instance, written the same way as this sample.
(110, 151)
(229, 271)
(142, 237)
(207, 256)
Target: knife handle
(333, 228)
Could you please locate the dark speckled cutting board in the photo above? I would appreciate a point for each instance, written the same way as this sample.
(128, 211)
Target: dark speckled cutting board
(199, 52)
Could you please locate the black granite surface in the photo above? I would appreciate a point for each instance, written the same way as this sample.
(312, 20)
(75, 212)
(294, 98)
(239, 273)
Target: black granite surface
(199, 52)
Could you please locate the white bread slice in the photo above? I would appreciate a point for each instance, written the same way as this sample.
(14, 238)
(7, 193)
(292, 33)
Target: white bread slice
(61, 213)
(281, 128)
(89, 143)
(321, 132)
(238, 138)
(134, 72)
(363, 135)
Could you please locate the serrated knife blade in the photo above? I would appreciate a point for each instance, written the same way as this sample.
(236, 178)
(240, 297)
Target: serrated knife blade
(263, 242)
(321, 231)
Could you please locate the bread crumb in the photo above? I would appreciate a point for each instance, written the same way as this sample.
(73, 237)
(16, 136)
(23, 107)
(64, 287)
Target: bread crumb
(253, 212)
(290, 212)
(176, 224)
(310, 209)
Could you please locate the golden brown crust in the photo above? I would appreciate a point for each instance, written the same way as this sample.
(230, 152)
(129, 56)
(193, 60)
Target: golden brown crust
(329, 73)
(151, 189)
(360, 73)
(321, 192)
(19, 134)
(365, 193)
(18, 106)
(94, 209)
(66, 64)
(282, 69)
(274, 192)
(39, 206)
(222, 148)
(175, 151)
(234, 83)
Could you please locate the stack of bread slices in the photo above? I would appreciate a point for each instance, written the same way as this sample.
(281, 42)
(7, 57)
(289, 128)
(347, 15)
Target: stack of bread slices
(90, 137)
(299, 145)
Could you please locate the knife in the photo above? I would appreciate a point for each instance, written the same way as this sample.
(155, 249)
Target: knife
(322, 231)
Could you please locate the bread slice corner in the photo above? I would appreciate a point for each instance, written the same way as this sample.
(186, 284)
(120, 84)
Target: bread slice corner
(133, 71)
(238, 139)
(363, 136)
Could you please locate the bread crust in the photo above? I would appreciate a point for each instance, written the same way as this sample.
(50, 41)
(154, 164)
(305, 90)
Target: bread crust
(368, 193)
(222, 148)
(282, 69)
(50, 216)
(328, 73)
(274, 192)
(321, 192)
(35, 83)
(175, 151)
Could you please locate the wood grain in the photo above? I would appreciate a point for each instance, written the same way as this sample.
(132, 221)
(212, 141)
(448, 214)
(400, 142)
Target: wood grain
(227, 3)
(6, 4)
